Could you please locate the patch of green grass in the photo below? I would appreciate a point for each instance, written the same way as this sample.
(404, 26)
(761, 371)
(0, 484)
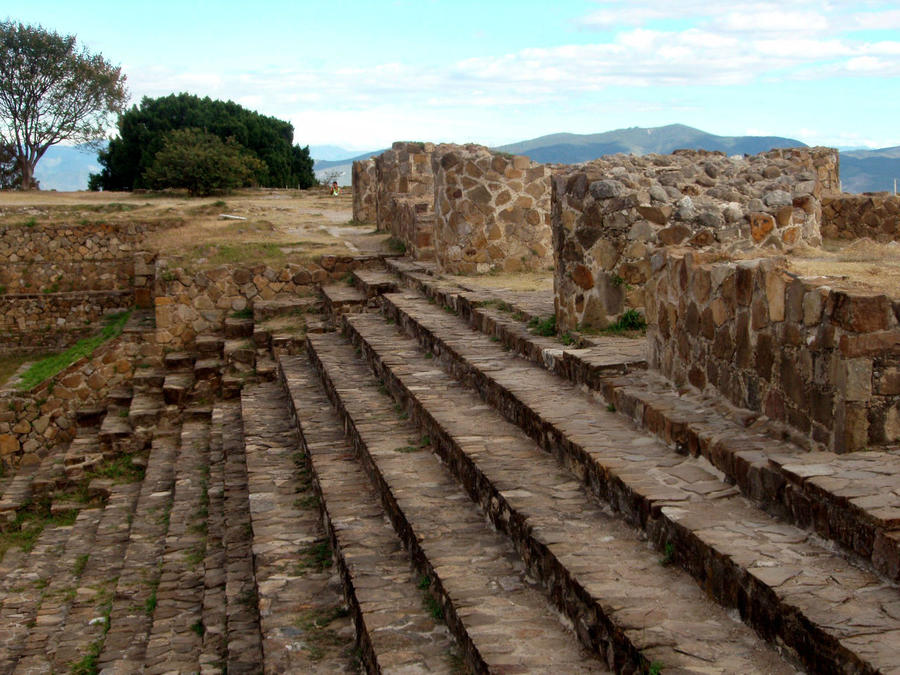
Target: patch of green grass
(396, 245)
(630, 322)
(434, 607)
(544, 327)
(88, 665)
(315, 557)
(80, 564)
(168, 276)
(30, 521)
(31, 222)
(498, 304)
(51, 365)
(655, 668)
(121, 469)
(567, 339)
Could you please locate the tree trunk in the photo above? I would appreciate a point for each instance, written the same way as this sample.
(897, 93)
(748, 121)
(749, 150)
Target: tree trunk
(27, 169)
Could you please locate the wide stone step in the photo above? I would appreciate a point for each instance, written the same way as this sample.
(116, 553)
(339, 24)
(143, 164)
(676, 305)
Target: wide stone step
(264, 310)
(146, 408)
(240, 355)
(80, 637)
(214, 650)
(305, 626)
(135, 594)
(375, 282)
(341, 299)
(177, 387)
(179, 361)
(237, 328)
(149, 378)
(853, 499)
(374, 566)
(474, 573)
(547, 513)
(16, 494)
(749, 561)
(175, 639)
(209, 346)
(56, 596)
(243, 640)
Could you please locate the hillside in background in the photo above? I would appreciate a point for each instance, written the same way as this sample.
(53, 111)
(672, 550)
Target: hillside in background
(870, 170)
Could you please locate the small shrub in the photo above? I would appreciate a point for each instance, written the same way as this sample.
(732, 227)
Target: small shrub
(396, 245)
(31, 222)
(544, 327)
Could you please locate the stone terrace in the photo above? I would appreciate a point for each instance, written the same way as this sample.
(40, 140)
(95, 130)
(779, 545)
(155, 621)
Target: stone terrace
(335, 519)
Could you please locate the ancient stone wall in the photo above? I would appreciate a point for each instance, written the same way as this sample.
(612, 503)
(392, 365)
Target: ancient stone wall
(852, 216)
(610, 216)
(33, 422)
(64, 275)
(365, 198)
(36, 322)
(822, 361)
(492, 211)
(189, 303)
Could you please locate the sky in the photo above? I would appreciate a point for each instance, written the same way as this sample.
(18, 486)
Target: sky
(363, 74)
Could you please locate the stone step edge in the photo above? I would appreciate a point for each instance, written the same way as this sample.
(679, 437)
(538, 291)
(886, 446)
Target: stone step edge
(741, 457)
(514, 334)
(347, 572)
(401, 524)
(559, 582)
(661, 529)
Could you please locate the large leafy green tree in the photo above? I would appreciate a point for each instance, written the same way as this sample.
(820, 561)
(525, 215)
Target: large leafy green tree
(202, 163)
(52, 91)
(143, 130)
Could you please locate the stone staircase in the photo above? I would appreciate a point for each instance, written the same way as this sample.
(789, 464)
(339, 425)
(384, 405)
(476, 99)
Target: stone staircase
(433, 488)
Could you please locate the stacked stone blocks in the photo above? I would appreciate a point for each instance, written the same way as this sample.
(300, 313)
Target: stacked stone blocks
(610, 216)
(365, 183)
(822, 361)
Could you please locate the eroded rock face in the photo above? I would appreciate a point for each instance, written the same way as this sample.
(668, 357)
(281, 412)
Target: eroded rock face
(611, 216)
(821, 361)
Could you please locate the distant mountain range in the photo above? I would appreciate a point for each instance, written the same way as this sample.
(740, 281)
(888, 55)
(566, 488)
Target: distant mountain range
(575, 148)
(67, 168)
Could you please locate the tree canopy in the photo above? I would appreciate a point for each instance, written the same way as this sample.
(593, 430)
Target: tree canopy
(52, 91)
(143, 131)
(202, 163)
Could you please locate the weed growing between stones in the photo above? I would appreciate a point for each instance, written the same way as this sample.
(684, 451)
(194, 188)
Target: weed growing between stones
(630, 321)
(315, 557)
(88, 665)
(80, 564)
(668, 554)
(198, 628)
(544, 327)
(610, 408)
(315, 626)
(30, 522)
(432, 604)
(396, 245)
(655, 668)
(246, 313)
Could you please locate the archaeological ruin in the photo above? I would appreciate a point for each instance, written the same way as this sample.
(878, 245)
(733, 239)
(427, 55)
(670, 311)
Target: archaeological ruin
(685, 457)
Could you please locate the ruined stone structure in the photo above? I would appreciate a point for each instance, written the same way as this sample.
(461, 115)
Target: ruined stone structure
(820, 360)
(365, 184)
(474, 210)
(847, 216)
(492, 211)
(610, 215)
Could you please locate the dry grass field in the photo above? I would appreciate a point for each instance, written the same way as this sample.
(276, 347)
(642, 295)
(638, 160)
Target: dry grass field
(270, 226)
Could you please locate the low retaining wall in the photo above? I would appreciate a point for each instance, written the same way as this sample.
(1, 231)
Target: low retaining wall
(49, 321)
(33, 422)
(64, 275)
(848, 216)
(492, 211)
(190, 303)
(824, 362)
(610, 216)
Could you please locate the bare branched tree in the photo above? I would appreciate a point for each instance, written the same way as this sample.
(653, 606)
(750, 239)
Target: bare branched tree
(52, 91)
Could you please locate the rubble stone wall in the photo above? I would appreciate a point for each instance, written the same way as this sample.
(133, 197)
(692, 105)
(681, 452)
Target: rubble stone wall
(822, 361)
(609, 217)
(33, 422)
(65, 275)
(365, 183)
(492, 211)
(189, 303)
(852, 216)
(38, 322)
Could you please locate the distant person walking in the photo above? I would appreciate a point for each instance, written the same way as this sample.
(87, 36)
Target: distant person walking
(335, 190)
